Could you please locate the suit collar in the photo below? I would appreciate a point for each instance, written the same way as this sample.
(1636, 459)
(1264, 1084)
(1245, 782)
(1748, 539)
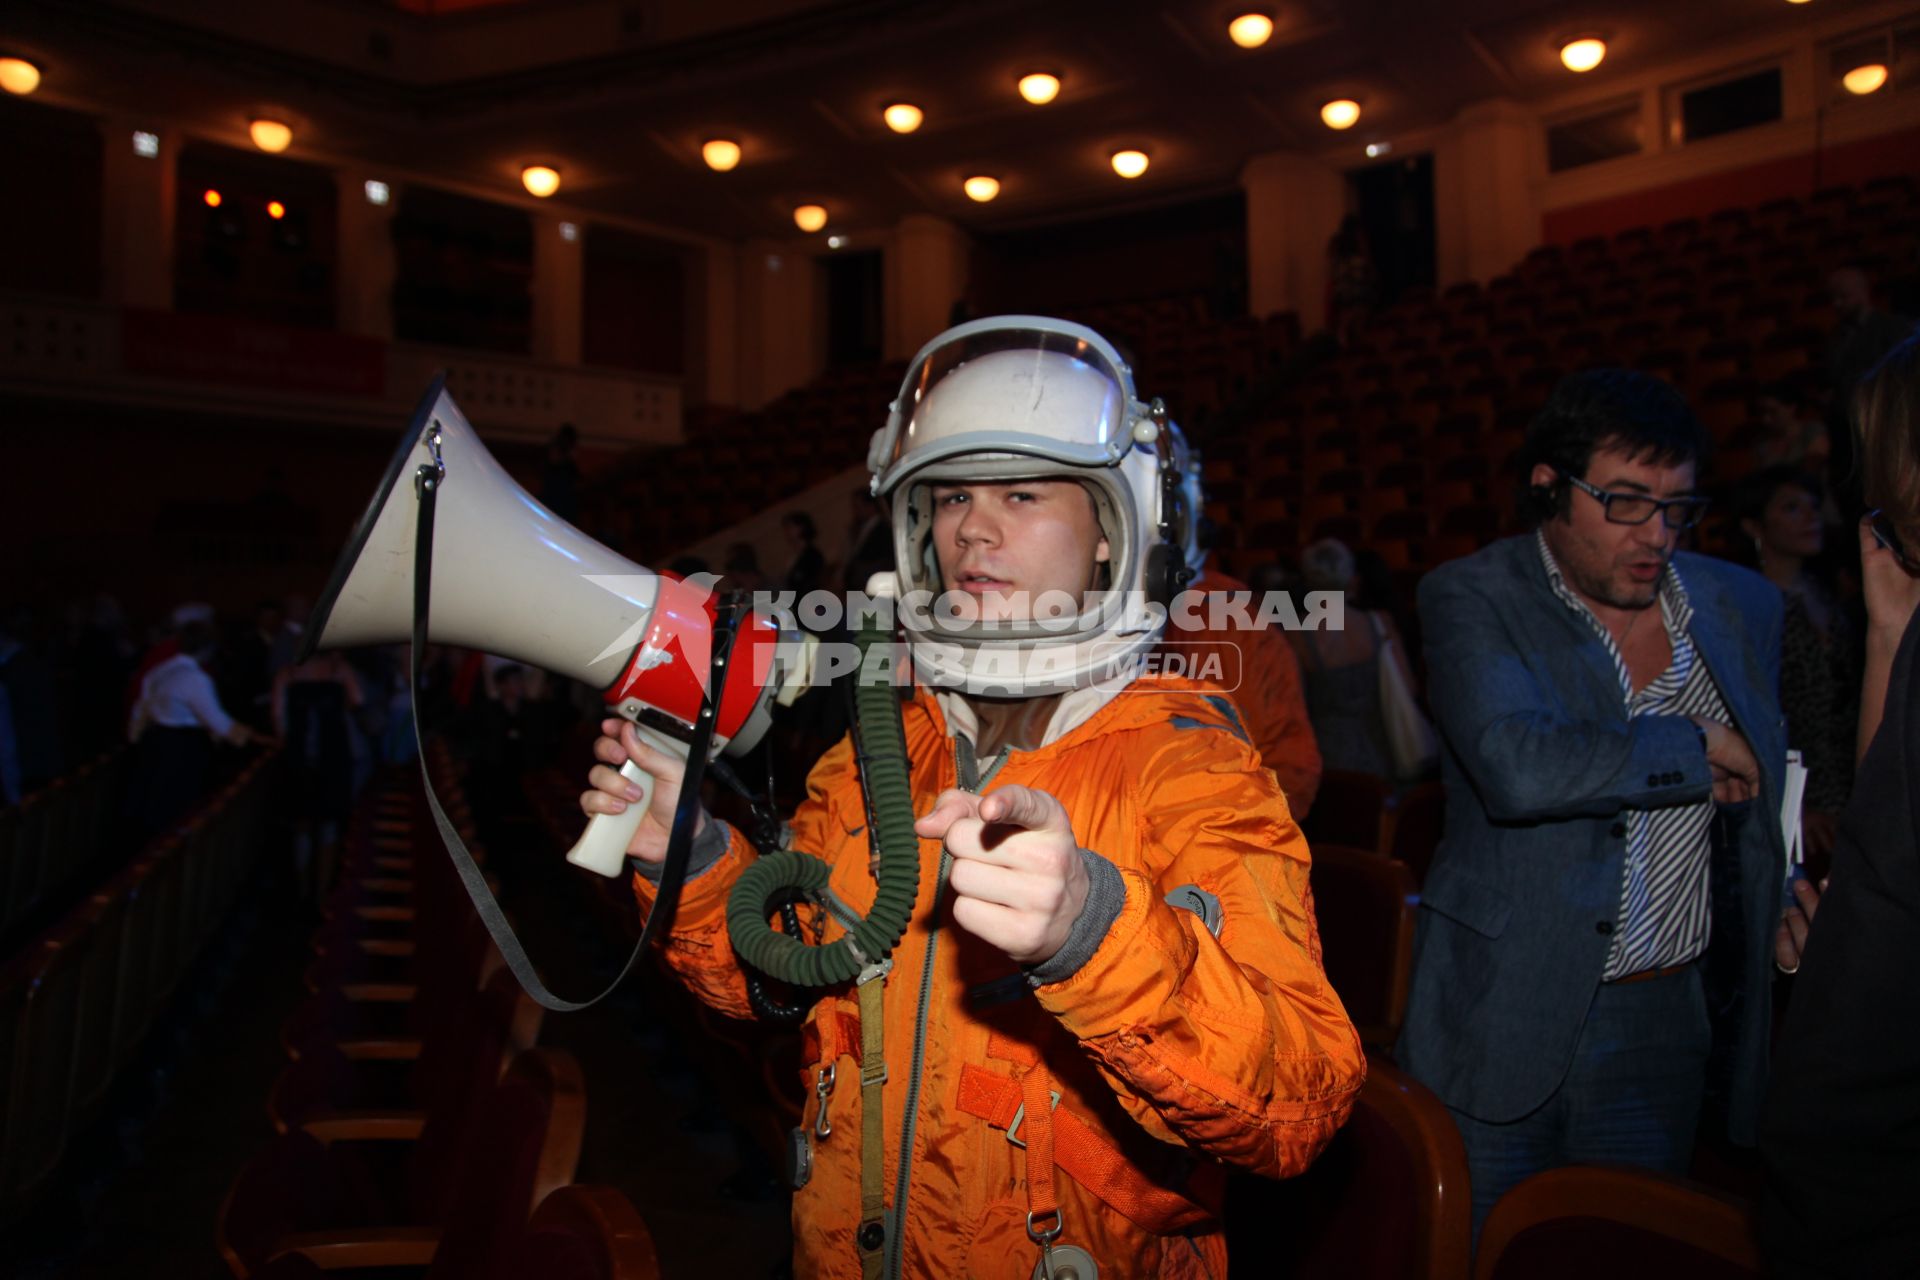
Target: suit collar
(1525, 561)
(1717, 626)
(1719, 632)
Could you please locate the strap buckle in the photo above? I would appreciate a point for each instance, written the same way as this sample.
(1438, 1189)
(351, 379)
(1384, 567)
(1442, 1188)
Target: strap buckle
(1044, 1236)
(1020, 1115)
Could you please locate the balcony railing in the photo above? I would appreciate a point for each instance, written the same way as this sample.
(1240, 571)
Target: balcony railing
(74, 350)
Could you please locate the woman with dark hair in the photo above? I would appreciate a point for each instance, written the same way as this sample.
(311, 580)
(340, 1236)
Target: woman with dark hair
(1841, 1132)
(1782, 535)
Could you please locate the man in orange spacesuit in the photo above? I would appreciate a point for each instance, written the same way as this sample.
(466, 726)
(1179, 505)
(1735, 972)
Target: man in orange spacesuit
(1109, 989)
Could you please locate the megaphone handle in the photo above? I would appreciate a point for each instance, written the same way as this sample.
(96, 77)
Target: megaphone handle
(602, 847)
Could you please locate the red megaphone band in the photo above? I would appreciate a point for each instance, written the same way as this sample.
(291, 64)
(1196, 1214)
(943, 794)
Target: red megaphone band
(670, 665)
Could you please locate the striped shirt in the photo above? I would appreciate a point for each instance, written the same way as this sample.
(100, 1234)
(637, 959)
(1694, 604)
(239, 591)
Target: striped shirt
(1663, 916)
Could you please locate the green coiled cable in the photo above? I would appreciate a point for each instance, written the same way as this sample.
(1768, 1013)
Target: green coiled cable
(886, 774)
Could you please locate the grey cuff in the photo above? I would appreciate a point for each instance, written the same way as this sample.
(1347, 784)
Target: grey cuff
(1106, 897)
(708, 846)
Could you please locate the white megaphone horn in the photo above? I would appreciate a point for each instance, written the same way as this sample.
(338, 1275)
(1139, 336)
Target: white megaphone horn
(511, 578)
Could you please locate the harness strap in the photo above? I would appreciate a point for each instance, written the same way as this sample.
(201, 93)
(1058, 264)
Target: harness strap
(1037, 1101)
(872, 1235)
(1089, 1159)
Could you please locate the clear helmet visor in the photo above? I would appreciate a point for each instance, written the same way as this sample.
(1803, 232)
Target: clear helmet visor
(1023, 386)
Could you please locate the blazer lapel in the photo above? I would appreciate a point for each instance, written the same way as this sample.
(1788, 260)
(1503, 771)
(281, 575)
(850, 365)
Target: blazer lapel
(1566, 631)
(1716, 634)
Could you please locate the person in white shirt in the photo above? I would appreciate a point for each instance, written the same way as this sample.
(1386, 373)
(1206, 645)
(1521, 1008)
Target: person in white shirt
(173, 726)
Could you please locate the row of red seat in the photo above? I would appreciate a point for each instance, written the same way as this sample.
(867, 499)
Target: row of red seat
(53, 838)
(1432, 380)
(418, 1122)
(77, 1002)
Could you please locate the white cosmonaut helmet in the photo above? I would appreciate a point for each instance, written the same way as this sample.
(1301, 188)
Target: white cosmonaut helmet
(1027, 398)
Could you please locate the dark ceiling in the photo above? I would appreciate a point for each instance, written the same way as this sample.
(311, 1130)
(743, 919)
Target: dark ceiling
(619, 96)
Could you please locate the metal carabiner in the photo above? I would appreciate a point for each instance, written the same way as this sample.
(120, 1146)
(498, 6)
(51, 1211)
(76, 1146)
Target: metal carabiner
(822, 1089)
(430, 477)
(1044, 1237)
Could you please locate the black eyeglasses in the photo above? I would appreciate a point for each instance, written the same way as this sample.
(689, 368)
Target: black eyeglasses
(1880, 525)
(1637, 508)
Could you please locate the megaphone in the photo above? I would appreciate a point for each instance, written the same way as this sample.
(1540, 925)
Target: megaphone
(511, 578)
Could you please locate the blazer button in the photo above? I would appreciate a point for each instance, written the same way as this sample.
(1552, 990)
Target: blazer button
(1653, 779)
(1603, 928)
(1617, 830)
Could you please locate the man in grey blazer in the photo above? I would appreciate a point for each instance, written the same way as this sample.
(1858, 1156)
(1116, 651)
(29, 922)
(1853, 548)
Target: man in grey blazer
(1597, 929)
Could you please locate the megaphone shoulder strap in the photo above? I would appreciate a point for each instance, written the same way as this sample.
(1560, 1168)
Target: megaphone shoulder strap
(680, 842)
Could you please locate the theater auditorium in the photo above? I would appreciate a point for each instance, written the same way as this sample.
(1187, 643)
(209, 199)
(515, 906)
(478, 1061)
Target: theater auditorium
(1500, 428)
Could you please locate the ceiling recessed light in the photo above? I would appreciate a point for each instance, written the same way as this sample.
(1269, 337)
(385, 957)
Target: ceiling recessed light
(982, 188)
(540, 180)
(1341, 113)
(903, 117)
(17, 75)
(1583, 54)
(836, 242)
(809, 218)
(276, 210)
(1130, 163)
(1376, 149)
(211, 197)
(1865, 79)
(1250, 30)
(270, 135)
(1040, 88)
(721, 154)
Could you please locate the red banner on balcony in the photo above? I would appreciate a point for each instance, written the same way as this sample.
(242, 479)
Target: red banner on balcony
(235, 351)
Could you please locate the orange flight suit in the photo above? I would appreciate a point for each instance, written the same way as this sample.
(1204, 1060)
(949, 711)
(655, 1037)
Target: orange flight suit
(1175, 1052)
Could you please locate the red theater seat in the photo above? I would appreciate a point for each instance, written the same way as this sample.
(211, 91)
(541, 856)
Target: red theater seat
(442, 1072)
(1601, 1223)
(519, 1143)
(1388, 1199)
(1365, 905)
(585, 1233)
